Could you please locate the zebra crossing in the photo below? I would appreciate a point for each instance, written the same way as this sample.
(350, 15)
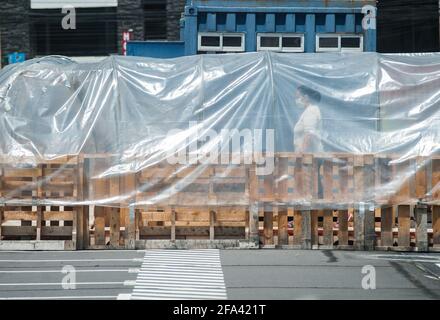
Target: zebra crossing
(180, 275)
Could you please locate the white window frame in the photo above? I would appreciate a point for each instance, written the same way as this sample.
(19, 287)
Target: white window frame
(220, 48)
(280, 47)
(361, 44)
(339, 48)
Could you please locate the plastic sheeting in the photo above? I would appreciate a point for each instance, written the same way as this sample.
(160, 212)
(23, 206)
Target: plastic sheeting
(226, 130)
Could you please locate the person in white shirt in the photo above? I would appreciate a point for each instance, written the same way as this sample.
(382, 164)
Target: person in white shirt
(308, 129)
(307, 134)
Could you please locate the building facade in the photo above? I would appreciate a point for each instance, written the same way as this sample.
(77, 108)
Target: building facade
(34, 27)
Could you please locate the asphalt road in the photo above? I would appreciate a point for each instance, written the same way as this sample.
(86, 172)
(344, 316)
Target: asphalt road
(259, 274)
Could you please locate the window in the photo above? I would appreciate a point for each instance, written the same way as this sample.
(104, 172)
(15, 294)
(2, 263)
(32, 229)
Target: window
(155, 20)
(339, 43)
(95, 34)
(280, 42)
(220, 42)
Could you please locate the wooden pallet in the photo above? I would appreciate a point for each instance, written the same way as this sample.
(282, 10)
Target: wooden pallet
(39, 202)
(220, 202)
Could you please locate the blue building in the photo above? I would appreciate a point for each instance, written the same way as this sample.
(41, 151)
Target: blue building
(218, 26)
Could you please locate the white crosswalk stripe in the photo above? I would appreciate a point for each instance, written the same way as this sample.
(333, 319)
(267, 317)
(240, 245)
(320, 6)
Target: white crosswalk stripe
(180, 275)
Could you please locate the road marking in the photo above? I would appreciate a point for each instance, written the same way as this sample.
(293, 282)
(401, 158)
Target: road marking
(23, 284)
(60, 298)
(438, 265)
(124, 296)
(75, 260)
(180, 275)
(77, 271)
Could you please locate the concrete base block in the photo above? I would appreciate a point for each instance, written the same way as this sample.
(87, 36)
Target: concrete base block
(32, 245)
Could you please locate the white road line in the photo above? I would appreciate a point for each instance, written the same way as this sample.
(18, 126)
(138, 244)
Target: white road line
(180, 275)
(77, 271)
(23, 284)
(73, 260)
(60, 298)
(438, 265)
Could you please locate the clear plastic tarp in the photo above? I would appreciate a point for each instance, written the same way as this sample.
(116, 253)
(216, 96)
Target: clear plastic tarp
(222, 130)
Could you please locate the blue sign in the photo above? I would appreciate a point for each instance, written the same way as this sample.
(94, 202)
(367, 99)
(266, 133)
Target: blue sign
(16, 57)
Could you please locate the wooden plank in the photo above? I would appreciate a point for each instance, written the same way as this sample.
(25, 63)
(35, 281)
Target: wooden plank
(308, 176)
(343, 227)
(58, 215)
(39, 219)
(314, 227)
(297, 228)
(56, 231)
(328, 228)
(283, 235)
(12, 231)
(254, 223)
(306, 241)
(299, 178)
(74, 231)
(436, 226)
(100, 225)
(404, 225)
(2, 209)
(359, 225)
(212, 225)
(173, 224)
(156, 216)
(435, 179)
(115, 226)
(328, 180)
(421, 178)
(359, 178)
(230, 214)
(369, 229)
(386, 226)
(268, 228)
(343, 179)
(421, 213)
(18, 215)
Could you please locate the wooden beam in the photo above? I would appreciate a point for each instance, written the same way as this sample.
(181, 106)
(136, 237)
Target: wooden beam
(211, 224)
(268, 228)
(328, 228)
(404, 237)
(386, 227)
(436, 226)
(173, 224)
(2, 209)
(74, 229)
(99, 225)
(39, 219)
(306, 229)
(297, 228)
(314, 237)
(343, 227)
(253, 223)
(369, 228)
(283, 235)
(421, 213)
(359, 227)
(115, 226)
